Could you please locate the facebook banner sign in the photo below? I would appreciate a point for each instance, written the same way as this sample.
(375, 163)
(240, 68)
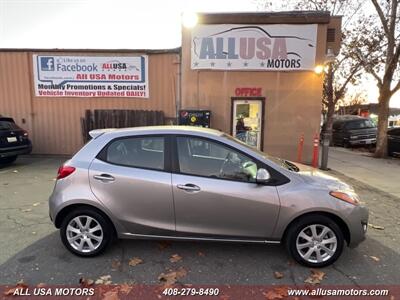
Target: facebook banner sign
(254, 47)
(91, 76)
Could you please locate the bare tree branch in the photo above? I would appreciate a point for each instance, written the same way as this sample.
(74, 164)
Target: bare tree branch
(382, 17)
(396, 87)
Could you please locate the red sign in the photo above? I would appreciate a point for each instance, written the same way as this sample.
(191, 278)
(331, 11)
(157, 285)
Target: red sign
(248, 92)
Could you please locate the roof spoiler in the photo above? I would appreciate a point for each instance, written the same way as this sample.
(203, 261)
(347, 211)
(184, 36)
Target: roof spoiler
(11, 120)
(98, 132)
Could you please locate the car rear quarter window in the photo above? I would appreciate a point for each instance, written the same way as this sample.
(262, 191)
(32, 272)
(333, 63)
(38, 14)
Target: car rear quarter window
(138, 152)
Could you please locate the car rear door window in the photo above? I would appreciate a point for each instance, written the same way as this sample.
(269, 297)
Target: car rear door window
(202, 157)
(138, 152)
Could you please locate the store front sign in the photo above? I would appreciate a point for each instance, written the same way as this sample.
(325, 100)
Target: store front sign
(254, 47)
(91, 76)
(248, 92)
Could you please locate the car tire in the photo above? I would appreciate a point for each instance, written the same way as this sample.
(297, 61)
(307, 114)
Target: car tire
(8, 160)
(304, 246)
(95, 237)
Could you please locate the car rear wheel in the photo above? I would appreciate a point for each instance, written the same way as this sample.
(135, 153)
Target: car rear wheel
(86, 232)
(315, 241)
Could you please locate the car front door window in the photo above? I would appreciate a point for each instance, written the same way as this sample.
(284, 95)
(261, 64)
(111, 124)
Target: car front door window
(202, 157)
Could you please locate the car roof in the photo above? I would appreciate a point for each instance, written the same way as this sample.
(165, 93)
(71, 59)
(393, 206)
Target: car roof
(6, 119)
(170, 129)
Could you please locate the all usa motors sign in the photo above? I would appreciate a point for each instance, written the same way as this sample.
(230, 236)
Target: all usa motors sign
(254, 47)
(91, 76)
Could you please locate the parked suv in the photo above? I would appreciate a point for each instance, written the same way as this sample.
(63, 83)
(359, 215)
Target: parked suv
(190, 183)
(14, 141)
(393, 136)
(353, 130)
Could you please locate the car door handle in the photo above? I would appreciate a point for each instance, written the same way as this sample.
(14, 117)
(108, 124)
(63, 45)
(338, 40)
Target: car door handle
(188, 187)
(104, 177)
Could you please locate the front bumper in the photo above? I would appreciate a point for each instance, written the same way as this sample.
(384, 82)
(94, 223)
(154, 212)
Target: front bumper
(358, 224)
(14, 151)
(363, 142)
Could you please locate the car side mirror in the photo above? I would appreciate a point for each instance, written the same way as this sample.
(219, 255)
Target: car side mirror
(262, 176)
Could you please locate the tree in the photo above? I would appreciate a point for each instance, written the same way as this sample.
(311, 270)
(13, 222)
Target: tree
(382, 42)
(346, 69)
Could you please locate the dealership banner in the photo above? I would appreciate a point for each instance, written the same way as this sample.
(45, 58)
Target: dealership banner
(254, 47)
(91, 76)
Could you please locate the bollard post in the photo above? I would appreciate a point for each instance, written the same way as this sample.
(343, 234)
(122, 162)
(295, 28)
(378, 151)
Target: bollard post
(315, 151)
(300, 149)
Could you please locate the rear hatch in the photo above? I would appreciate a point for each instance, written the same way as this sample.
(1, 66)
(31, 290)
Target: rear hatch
(11, 135)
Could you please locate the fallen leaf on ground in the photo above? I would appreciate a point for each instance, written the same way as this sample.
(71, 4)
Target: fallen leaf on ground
(163, 244)
(375, 258)
(115, 264)
(175, 258)
(276, 293)
(85, 281)
(135, 261)
(27, 210)
(111, 295)
(15, 171)
(105, 279)
(36, 204)
(377, 227)
(278, 275)
(125, 288)
(172, 277)
(315, 277)
(201, 254)
(20, 285)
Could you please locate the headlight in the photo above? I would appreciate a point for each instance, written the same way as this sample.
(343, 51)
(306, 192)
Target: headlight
(353, 137)
(351, 198)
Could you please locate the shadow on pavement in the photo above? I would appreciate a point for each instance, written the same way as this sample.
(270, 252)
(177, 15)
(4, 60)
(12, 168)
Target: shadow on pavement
(47, 261)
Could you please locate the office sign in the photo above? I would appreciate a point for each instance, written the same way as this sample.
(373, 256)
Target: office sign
(91, 76)
(254, 47)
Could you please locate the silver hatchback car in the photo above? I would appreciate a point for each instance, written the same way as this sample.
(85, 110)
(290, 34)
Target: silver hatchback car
(188, 183)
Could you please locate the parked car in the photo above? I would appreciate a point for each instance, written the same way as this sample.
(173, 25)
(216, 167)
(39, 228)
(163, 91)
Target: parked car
(393, 136)
(191, 183)
(14, 141)
(353, 131)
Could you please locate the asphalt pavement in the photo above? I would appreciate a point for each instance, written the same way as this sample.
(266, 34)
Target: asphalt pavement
(32, 250)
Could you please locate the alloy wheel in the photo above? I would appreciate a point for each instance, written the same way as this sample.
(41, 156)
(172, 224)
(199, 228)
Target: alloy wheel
(84, 234)
(316, 243)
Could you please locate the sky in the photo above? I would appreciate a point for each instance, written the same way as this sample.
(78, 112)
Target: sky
(115, 24)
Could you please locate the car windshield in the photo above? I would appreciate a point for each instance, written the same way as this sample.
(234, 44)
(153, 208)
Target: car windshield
(288, 165)
(360, 124)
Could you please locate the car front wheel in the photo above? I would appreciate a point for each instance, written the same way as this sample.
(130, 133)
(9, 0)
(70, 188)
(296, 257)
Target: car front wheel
(315, 241)
(85, 232)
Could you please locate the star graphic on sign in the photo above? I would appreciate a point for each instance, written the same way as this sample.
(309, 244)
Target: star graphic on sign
(229, 64)
(262, 64)
(212, 64)
(245, 63)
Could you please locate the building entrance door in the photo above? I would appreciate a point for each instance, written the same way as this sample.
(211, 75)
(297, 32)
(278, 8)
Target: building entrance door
(247, 121)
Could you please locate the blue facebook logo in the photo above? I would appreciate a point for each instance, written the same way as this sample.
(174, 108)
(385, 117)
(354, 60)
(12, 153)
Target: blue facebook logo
(47, 63)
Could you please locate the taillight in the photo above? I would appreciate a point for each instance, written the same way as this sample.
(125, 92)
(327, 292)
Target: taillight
(65, 171)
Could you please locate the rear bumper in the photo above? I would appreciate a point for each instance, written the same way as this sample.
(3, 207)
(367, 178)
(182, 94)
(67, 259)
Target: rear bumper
(14, 151)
